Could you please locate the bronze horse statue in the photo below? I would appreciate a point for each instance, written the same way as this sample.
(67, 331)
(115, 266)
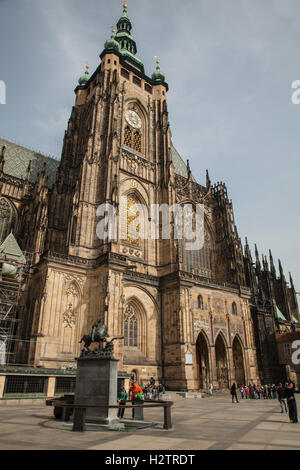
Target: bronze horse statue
(98, 335)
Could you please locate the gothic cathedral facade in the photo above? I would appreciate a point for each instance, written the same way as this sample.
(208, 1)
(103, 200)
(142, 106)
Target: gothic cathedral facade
(186, 316)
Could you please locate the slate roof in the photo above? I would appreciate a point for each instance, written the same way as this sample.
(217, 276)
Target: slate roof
(17, 159)
(180, 167)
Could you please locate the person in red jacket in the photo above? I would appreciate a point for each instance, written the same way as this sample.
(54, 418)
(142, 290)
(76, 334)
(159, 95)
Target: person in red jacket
(134, 390)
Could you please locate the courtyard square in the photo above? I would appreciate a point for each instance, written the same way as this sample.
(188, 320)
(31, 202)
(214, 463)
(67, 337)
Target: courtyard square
(198, 424)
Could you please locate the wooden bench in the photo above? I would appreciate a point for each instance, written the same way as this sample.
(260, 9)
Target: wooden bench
(80, 412)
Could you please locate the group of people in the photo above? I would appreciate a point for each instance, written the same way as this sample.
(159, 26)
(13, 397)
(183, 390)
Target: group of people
(137, 395)
(284, 394)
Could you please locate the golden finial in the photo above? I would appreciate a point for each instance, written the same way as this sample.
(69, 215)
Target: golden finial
(113, 29)
(157, 59)
(87, 66)
(125, 4)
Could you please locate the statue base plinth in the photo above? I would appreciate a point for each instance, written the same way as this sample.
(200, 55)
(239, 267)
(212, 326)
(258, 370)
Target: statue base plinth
(96, 384)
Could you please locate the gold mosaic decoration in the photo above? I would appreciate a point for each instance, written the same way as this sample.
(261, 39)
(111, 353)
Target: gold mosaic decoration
(133, 141)
(129, 229)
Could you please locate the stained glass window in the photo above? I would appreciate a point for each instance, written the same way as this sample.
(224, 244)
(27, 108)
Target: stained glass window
(130, 327)
(198, 261)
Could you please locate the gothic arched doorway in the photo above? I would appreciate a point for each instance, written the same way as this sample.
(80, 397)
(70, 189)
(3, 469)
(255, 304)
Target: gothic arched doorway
(202, 361)
(221, 363)
(238, 362)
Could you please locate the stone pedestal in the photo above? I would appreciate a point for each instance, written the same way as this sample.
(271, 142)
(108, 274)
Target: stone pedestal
(96, 384)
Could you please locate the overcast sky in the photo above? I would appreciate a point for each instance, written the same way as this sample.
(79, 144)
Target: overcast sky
(229, 64)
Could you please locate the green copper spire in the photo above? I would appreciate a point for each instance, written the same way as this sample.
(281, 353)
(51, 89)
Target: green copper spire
(126, 42)
(158, 76)
(112, 44)
(85, 78)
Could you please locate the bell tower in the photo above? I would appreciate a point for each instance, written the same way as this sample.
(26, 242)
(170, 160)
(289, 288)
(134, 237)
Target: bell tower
(117, 147)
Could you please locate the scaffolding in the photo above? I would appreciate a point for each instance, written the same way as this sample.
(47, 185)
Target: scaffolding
(12, 286)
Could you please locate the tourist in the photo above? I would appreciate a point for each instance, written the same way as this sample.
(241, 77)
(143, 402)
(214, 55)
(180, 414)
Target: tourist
(233, 392)
(134, 390)
(269, 391)
(293, 414)
(281, 395)
(258, 392)
(247, 392)
(242, 390)
(211, 389)
(273, 390)
(161, 391)
(155, 393)
(122, 397)
(145, 391)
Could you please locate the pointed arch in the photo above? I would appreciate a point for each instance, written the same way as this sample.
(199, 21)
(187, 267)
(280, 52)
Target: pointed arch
(134, 218)
(203, 372)
(238, 360)
(135, 325)
(221, 360)
(200, 262)
(139, 137)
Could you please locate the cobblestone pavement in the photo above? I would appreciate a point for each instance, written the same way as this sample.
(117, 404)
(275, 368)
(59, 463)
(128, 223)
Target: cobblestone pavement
(198, 424)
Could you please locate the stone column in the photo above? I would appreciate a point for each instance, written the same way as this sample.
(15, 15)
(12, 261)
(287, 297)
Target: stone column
(2, 384)
(96, 384)
(51, 386)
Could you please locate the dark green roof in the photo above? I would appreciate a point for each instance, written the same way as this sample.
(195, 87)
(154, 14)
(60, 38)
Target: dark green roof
(17, 159)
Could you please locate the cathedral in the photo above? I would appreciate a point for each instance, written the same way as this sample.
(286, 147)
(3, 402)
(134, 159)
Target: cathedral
(187, 318)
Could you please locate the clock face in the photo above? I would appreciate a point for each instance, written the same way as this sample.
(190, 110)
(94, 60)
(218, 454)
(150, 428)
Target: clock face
(133, 119)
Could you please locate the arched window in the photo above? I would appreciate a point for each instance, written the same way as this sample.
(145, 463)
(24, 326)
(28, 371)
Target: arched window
(198, 261)
(234, 309)
(200, 302)
(7, 218)
(130, 327)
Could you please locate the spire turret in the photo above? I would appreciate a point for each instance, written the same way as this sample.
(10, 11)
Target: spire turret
(272, 266)
(158, 76)
(127, 45)
(85, 78)
(258, 266)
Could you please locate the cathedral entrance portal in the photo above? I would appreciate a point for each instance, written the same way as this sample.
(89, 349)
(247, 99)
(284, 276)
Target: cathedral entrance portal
(202, 362)
(238, 362)
(221, 363)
